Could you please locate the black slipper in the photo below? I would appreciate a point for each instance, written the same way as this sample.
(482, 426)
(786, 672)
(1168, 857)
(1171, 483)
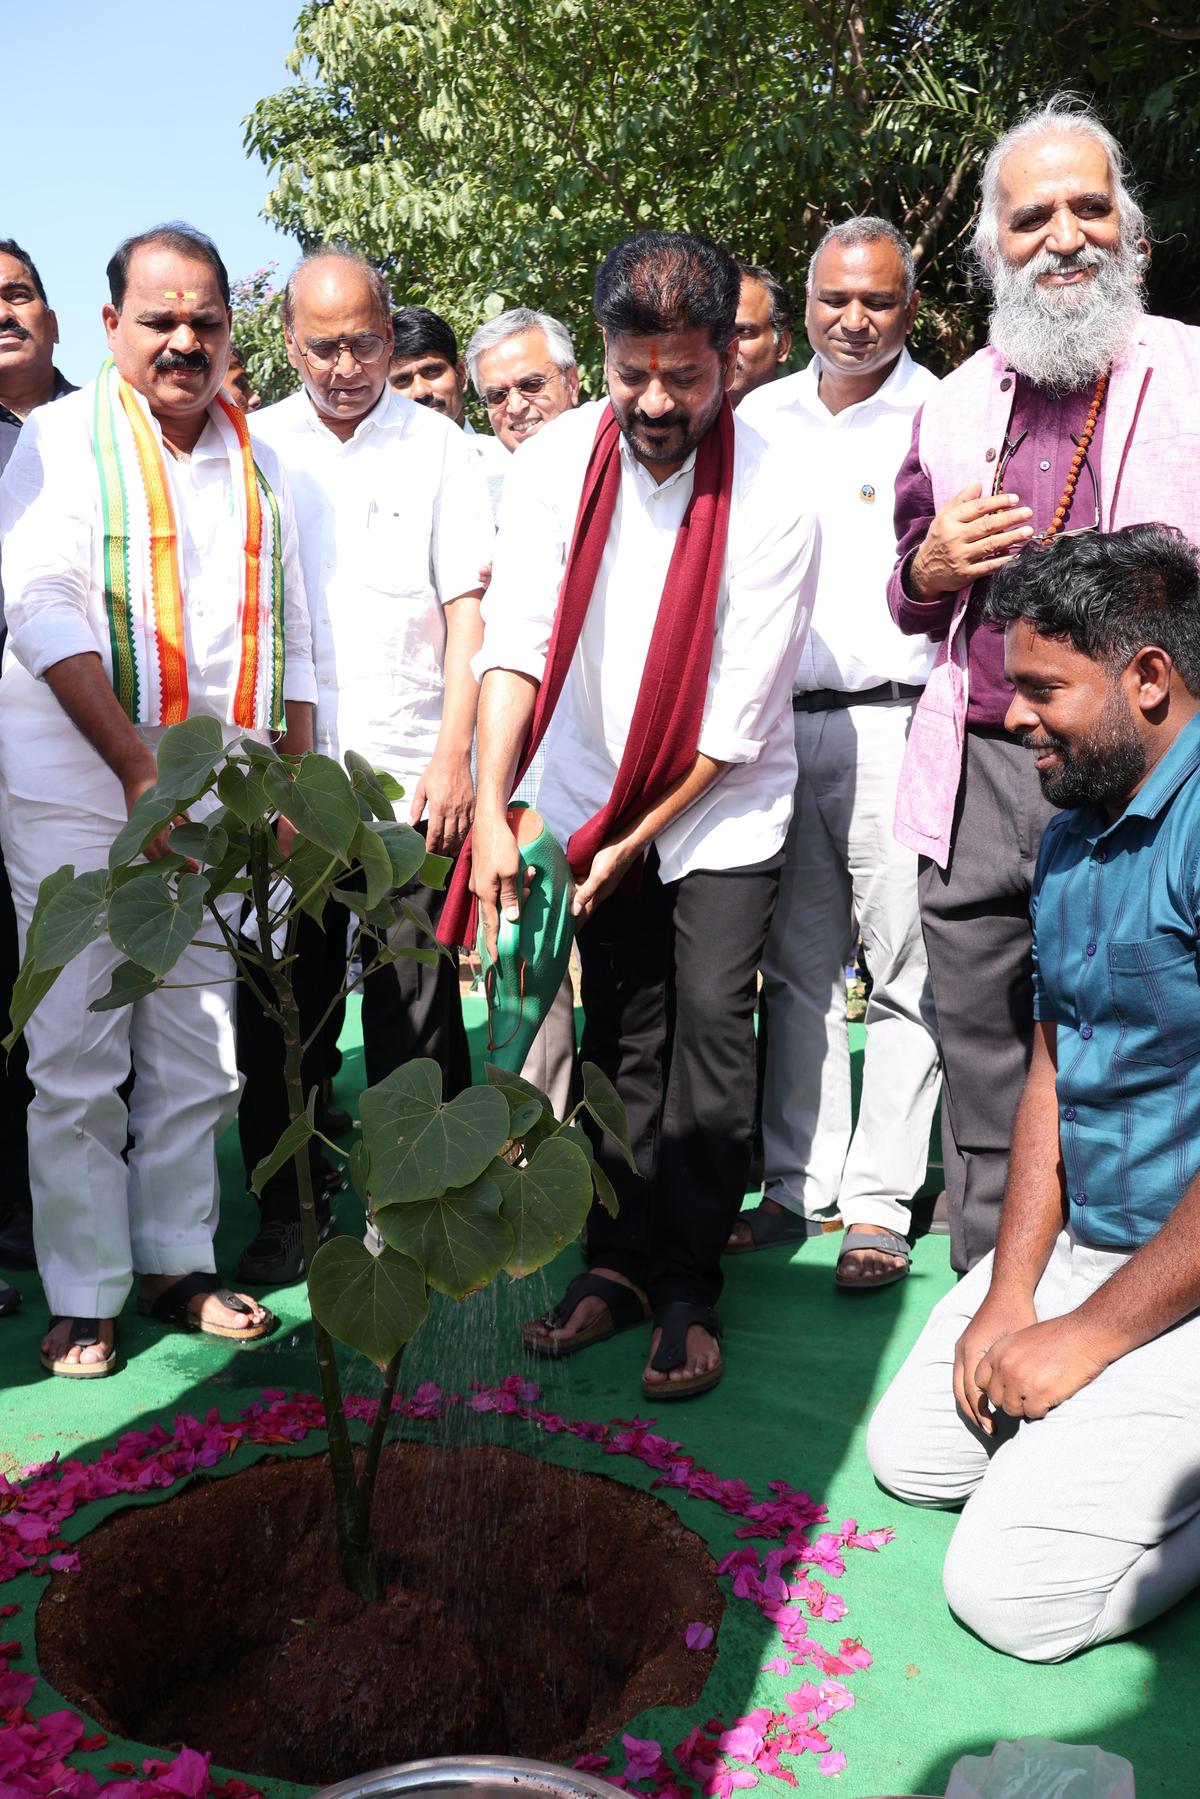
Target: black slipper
(171, 1307)
(674, 1321)
(85, 1334)
(625, 1312)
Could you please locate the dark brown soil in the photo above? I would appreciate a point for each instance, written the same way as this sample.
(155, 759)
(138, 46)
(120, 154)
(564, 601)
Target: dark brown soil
(529, 1610)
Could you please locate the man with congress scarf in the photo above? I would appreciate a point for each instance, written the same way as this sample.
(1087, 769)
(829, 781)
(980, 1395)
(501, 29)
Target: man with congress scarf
(649, 598)
(151, 574)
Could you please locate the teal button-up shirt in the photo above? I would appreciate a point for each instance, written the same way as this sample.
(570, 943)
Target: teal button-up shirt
(1116, 909)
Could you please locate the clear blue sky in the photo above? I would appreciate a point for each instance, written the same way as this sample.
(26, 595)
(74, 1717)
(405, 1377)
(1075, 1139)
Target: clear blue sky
(116, 118)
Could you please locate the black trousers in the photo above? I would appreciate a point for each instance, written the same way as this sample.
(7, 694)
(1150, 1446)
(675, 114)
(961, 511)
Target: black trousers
(975, 918)
(669, 983)
(407, 1010)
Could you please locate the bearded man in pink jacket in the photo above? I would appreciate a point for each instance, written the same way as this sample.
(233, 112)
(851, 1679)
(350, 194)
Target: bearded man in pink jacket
(1081, 414)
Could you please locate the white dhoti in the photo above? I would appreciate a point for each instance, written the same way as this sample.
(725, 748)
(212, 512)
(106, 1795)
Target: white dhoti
(96, 1217)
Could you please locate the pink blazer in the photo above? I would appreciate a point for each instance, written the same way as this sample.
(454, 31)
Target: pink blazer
(1149, 473)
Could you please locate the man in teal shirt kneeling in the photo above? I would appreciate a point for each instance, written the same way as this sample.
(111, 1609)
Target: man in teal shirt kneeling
(1054, 1390)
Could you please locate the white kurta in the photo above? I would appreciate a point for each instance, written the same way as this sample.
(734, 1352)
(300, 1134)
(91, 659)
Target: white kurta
(762, 614)
(842, 864)
(96, 1219)
(395, 523)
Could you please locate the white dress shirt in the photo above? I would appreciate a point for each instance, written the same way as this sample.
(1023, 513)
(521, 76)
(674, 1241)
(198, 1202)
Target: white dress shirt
(394, 524)
(53, 552)
(762, 614)
(846, 464)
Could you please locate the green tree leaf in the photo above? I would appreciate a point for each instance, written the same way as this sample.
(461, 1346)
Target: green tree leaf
(372, 857)
(73, 918)
(367, 785)
(544, 1203)
(151, 813)
(186, 757)
(434, 870)
(604, 1103)
(375, 1304)
(152, 924)
(460, 1240)
(129, 982)
(297, 1134)
(206, 843)
(32, 986)
(406, 848)
(420, 1147)
(319, 801)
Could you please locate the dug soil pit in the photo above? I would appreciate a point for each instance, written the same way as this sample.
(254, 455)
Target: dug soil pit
(529, 1610)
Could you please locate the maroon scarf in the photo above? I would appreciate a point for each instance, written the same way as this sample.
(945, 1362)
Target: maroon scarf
(664, 733)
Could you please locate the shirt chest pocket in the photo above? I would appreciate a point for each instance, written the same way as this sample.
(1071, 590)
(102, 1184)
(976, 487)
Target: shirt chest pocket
(395, 553)
(1156, 998)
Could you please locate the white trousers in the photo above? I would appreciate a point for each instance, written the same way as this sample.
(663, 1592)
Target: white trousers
(95, 1218)
(1078, 1526)
(842, 862)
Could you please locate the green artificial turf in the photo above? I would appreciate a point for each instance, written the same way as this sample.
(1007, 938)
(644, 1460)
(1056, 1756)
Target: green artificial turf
(804, 1365)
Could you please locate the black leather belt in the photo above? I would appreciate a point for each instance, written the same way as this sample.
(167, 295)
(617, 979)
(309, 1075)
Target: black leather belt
(832, 699)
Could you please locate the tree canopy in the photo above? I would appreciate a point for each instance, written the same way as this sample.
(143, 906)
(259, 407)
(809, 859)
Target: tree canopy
(486, 153)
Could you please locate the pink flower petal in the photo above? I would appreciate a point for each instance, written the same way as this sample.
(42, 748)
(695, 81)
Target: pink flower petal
(698, 1636)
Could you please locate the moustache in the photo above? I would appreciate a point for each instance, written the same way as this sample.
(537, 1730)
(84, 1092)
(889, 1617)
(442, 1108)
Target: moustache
(12, 329)
(172, 360)
(677, 419)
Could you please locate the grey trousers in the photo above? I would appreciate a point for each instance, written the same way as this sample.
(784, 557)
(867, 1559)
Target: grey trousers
(1079, 1526)
(975, 916)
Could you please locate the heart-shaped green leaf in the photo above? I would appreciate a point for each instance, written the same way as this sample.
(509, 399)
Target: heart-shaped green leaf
(372, 857)
(151, 814)
(406, 848)
(152, 924)
(205, 843)
(311, 871)
(129, 982)
(30, 986)
(607, 1108)
(376, 1304)
(186, 757)
(544, 1203)
(294, 1137)
(606, 1193)
(321, 803)
(419, 1147)
(460, 1241)
(73, 917)
(254, 751)
(433, 871)
(367, 785)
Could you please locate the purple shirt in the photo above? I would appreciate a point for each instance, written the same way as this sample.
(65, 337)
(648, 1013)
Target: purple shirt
(1037, 470)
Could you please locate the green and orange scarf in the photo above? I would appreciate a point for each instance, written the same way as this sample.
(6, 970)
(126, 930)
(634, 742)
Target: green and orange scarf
(143, 591)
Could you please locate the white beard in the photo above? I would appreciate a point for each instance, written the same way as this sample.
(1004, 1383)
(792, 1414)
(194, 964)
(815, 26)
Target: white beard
(1063, 338)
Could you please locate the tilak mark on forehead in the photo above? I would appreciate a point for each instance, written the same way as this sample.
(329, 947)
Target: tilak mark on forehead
(179, 293)
(653, 356)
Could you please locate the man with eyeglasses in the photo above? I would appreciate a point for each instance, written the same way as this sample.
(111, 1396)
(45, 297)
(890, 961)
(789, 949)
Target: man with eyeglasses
(395, 526)
(1078, 416)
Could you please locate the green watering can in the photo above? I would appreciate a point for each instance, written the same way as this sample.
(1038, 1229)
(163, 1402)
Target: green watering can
(532, 951)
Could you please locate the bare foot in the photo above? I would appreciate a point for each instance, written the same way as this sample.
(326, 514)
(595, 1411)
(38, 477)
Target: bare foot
(57, 1346)
(589, 1312)
(703, 1356)
(206, 1308)
(868, 1265)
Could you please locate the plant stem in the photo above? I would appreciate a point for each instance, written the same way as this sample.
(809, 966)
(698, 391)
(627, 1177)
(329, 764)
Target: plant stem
(354, 1545)
(366, 1480)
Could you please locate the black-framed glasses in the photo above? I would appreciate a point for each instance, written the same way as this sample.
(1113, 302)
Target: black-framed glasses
(1011, 446)
(365, 347)
(527, 386)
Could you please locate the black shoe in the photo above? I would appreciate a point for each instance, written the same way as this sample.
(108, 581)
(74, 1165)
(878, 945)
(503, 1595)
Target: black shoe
(10, 1299)
(16, 1237)
(276, 1256)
